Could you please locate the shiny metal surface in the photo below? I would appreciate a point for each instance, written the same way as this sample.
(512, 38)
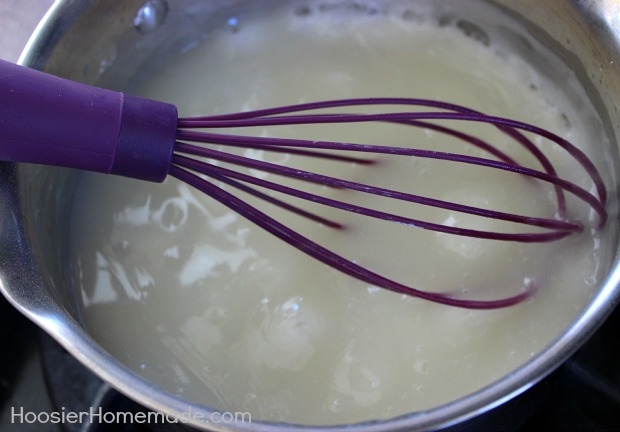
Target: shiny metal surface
(97, 42)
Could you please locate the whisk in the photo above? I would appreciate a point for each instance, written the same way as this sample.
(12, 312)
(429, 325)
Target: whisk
(52, 121)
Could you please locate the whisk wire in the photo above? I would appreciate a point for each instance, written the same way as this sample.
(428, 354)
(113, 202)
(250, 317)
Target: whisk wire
(364, 188)
(561, 228)
(329, 257)
(274, 116)
(556, 228)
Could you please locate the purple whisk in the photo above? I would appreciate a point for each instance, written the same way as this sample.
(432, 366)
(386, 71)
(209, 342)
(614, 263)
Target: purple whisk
(48, 120)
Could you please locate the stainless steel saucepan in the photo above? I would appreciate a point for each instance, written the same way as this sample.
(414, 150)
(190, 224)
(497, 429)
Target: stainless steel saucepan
(106, 42)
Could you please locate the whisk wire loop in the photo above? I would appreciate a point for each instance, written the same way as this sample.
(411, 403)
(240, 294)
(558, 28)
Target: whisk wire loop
(207, 166)
(329, 257)
(560, 228)
(340, 183)
(513, 128)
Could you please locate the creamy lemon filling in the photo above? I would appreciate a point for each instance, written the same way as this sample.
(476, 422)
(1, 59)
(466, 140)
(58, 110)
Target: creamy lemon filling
(209, 307)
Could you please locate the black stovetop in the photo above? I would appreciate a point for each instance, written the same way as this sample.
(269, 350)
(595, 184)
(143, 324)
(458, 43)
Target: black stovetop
(38, 375)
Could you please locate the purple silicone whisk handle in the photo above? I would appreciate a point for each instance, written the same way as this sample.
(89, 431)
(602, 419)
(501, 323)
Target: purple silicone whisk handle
(52, 121)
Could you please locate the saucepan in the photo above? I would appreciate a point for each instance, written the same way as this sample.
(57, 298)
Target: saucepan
(108, 42)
